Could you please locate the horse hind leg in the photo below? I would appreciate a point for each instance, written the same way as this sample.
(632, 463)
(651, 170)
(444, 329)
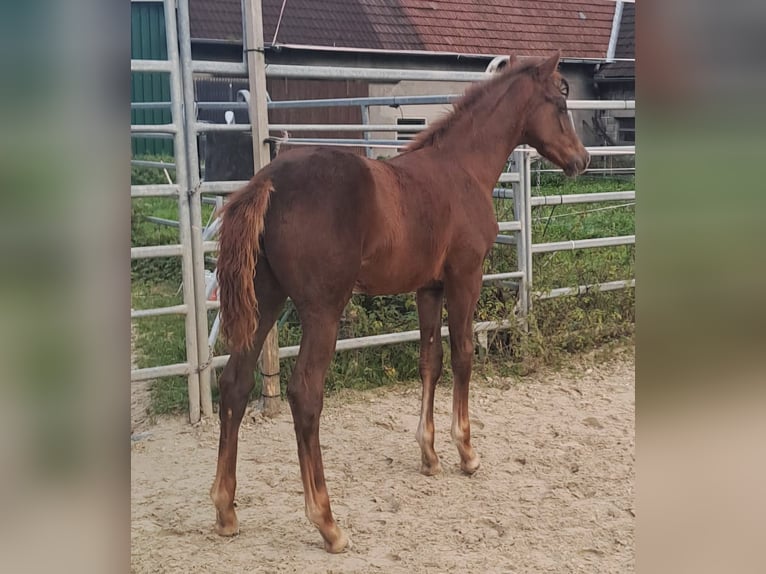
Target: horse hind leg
(305, 394)
(235, 385)
(430, 302)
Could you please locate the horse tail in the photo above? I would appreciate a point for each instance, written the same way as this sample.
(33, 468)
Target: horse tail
(239, 245)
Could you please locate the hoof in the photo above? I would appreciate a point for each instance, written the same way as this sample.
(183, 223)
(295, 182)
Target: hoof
(431, 469)
(341, 543)
(230, 529)
(471, 466)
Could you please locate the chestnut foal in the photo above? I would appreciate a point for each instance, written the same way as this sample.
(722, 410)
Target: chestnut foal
(318, 225)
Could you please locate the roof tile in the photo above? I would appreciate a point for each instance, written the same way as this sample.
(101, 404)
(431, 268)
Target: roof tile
(579, 28)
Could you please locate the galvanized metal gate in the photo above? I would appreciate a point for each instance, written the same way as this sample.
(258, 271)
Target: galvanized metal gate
(183, 128)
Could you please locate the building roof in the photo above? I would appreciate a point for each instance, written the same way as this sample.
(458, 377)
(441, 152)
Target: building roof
(578, 28)
(625, 48)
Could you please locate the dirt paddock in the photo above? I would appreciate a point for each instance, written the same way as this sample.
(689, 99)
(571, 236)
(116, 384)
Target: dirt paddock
(554, 492)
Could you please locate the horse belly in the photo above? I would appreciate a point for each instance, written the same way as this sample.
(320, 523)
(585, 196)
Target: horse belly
(389, 276)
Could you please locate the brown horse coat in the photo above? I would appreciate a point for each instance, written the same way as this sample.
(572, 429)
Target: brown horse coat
(317, 225)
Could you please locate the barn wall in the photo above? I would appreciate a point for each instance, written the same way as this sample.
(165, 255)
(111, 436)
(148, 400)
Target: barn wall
(148, 42)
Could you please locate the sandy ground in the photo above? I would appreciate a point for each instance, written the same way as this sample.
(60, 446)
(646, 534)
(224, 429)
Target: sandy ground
(554, 492)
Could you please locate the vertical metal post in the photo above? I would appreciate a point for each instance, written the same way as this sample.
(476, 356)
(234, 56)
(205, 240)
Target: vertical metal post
(520, 201)
(527, 226)
(366, 121)
(184, 219)
(195, 210)
(256, 66)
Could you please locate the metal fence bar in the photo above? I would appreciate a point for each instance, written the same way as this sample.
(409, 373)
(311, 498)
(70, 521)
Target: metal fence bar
(509, 226)
(591, 170)
(379, 340)
(151, 66)
(158, 312)
(595, 150)
(149, 373)
(221, 186)
(380, 74)
(185, 232)
(502, 276)
(220, 68)
(149, 163)
(162, 221)
(509, 177)
(583, 244)
(152, 135)
(159, 190)
(148, 251)
(195, 210)
(521, 192)
(344, 142)
(583, 289)
(209, 127)
(150, 105)
(153, 128)
(365, 113)
(583, 198)
(369, 101)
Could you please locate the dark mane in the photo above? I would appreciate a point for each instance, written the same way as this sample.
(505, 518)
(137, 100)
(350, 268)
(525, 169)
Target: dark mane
(465, 106)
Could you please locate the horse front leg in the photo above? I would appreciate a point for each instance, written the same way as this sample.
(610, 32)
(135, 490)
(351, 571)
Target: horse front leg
(462, 296)
(430, 302)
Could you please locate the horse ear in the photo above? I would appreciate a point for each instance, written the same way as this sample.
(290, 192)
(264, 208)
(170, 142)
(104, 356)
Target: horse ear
(546, 69)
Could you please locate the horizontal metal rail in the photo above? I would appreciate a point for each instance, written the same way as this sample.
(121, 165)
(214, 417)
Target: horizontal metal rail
(219, 68)
(152, 136)
(209, 127)
(583, 289)
(153, 128)
(151, 66)
(509, 226)
(162, 221)
(221, 186)
(377, 340)
(503, 276)
(149, 373)
(380, 74)
(154, 190)
(159, 311)
(582, 198)
(593, 150)
(505, 240)
(343, 142)
(155, 251)
(509, 177)
(583, 244)
(149, 163)
(173, 310)
(590, 170)
(390, 101)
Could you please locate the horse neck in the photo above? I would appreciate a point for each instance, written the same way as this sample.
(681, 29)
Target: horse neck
(482, 139)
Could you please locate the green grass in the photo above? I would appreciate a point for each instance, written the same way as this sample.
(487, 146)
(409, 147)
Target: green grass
(556, 326)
